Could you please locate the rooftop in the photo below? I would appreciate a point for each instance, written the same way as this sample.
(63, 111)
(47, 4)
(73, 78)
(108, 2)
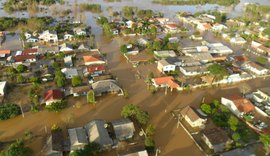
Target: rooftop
(243, 104)
(216, 135)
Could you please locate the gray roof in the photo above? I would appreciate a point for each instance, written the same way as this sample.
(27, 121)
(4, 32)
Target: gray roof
(123, 128)
(265, 90)
(105, 86)
(83, 47)
(164, 62)
(77, 137)
(201, 56)
(239, 152)
(98, 133)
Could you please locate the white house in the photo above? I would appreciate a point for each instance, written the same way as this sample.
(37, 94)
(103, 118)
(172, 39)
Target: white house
(194, 70)
(69, 72)
(238, 40)
(237, 104)
(66, 47)
(48, 36)
(165, 67)
(3, 85)
(192, 118)
(255, 68)
(80, 31)
(218, 27)
(68, 36)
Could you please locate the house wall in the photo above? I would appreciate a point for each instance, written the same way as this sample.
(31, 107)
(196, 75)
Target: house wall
(228, 103)
(92, 63)
(197, 123)
(216, 148)
(168, 68)
(255, 70)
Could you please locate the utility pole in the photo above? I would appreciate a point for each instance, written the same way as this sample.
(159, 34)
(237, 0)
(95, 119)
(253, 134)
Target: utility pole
(21, 110)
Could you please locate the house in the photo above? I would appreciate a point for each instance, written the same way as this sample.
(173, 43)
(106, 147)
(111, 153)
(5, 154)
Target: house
(123, 128)
(92, 60)
(80, 90)
(106, 86)
(238, 105)
(218, 27)
(238, 40)
(202, 57)
(162, 20)
(27, 35)
(4, 53)
(164, 82)
(32, 39)
(68, 36)
(115, 31)
(255, 68)
(132, 50)
(77, 138)
(194, 70)
(216, 139)
(47, 74)
(165, 53)
(165, 67)
(19, 59)
(84, 47)
(48, 36)
(182, 61)
(68, 61)
(80, 31)
(33, 51)
(142, 41)
(98, 133)
(69, 72)
(52, 96)
(204, 26)
(134, 151)
(218, 48)
(192, 117)
(66, 47)
(95, 70)
(171, 28)
(129, 24)
(55, 144)
(3, 85)
(262, 94)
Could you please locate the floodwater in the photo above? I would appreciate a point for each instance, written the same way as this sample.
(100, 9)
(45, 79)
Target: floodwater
(172, 141)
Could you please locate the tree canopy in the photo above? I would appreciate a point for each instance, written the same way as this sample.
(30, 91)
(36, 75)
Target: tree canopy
(132, 111)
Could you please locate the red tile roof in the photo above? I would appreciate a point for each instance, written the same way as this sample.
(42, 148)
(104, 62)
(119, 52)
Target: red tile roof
(91, 58)
(242, 104)
(95, 68)
(21, 58)
(29, 51)
(6, 52)
(207, 26)
(169, 80)
(53, 94)
(240, 58)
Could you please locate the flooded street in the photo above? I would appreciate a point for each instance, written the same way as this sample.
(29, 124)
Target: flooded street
(172, 141)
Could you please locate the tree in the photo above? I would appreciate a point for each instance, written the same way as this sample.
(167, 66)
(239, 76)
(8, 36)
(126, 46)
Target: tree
(265, 139)
(8, 111)
(132, 111)
(157, 45)
(34, 79)
(217, 71)
(266, 32)
(233, 123)
(76, 81)
(150, 130)
(123, 49)
(236, 137)
(89, 149)
(244, 89)
(21, 68)
(149, 143)
(56, 106)
(16, 149)
(261, 60)
(91, 97)
(206, 108)
(59, 79)
(20, 79)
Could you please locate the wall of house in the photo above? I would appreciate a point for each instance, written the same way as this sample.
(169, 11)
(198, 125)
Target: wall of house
(229, 104)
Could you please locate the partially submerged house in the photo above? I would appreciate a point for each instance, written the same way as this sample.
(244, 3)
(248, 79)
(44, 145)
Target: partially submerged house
(165, 82)
(164, 66)
(105, 87)
(91, 60)
(80, 90)
(97, 132)
(52, 96)
(55, 144)
(216, 139)
(123, 128)
(192, 117)
(78, 138)
(238, 105)
(69, 72)
(48, 36)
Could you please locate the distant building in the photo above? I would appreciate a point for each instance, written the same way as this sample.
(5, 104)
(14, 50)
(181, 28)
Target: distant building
(163, 82)
(255, 68)
(69, 72)
(48, 36)
(52, 96)
(91, 60)
(164, 66)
